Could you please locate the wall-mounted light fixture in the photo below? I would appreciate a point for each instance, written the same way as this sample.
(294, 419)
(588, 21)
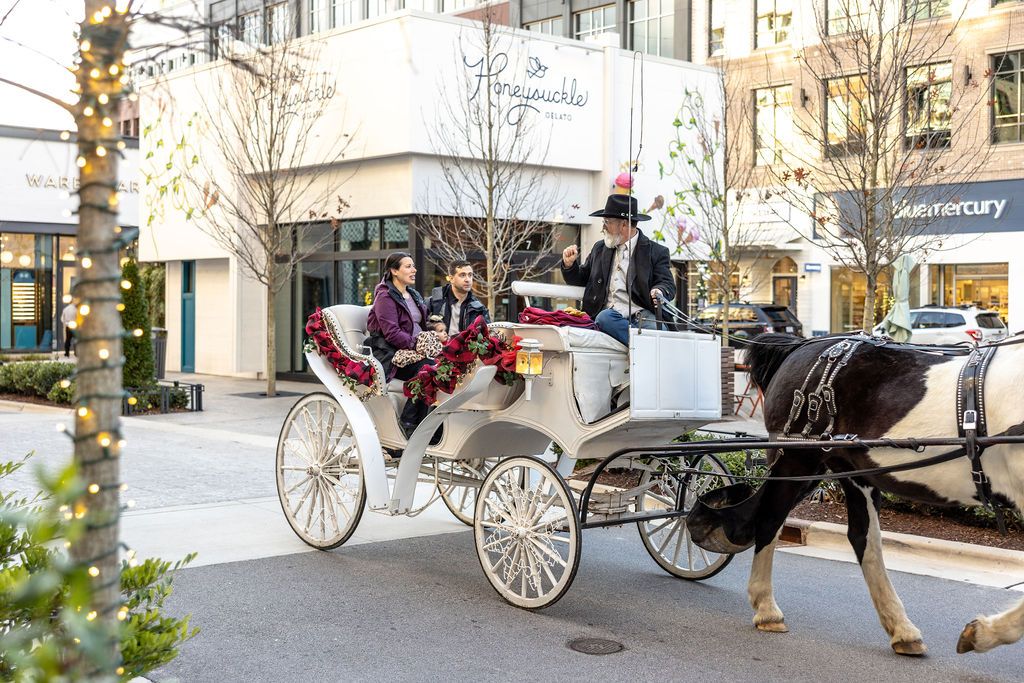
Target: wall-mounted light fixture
(804, 98)
(968, 76)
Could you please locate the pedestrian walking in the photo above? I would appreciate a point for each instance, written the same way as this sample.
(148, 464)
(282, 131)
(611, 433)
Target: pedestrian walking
(68, 316)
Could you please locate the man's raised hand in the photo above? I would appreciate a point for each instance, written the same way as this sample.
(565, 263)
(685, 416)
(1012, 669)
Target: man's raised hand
(569, 255)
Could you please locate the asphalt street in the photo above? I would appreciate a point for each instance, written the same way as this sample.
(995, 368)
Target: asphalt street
(420, 609)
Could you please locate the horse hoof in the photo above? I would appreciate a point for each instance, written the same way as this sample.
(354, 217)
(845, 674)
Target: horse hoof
(967, 638)
(912, 648)
(773, 627)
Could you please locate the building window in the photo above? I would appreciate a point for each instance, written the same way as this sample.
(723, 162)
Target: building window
(845, 118)
(278, 23)
(456, 5)
(345, 12)
(319, 17)
(593, 22)
(773, 21)
(773, 117)
(925, 9)
(985, 285)
(130, 128)
(222, 38)
(929, 91)
(1007, 121)
(550, 27)
(716, 27)
(379, 8)
(26, 291)
(650, 26)
(844, 16)
(249, 28)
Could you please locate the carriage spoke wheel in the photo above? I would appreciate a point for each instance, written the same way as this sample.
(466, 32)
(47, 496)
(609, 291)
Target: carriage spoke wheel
(458, 494)
(527, 532)
(319, 472)
(668, 540)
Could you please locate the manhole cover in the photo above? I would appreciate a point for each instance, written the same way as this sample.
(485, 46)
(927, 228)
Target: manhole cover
(596, 646)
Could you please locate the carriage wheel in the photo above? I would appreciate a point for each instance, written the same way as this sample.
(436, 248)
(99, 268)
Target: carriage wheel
(668, 540)
(527, 532)
(457, 493)
(319, 472)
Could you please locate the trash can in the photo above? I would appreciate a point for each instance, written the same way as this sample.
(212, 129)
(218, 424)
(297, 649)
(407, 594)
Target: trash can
(159, 336)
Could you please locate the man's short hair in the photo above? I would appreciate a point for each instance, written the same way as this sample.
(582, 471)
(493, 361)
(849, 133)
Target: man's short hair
(454, 266)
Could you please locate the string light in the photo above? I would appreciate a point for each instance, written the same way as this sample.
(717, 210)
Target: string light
(120, 671)
(95, 73)
(137, 332)
(94, 488)
(132, 400)
(125, 284)
(86, 262)
(94, 572)
(65, 135)
(101, 151)
(83, 411)
(122, 614)
(86, 46)
(88, 110)
(121, 444)
(120, 307)
(106, 11)
(84, 309)
(61, 427)
(90, 616)
(103, 98)
(107, 122)
(64, 384)
(81, 162)
(104, 439)
(121, 144)
(66, 213)
(104, 354)
(72, 325)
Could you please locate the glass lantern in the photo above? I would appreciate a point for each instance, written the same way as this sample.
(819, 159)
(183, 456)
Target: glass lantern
(529, 359)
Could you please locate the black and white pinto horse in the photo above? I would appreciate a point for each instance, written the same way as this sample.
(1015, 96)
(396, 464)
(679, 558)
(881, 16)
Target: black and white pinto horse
(884, 392)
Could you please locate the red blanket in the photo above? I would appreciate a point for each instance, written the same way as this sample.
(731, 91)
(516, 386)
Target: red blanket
(570, 317)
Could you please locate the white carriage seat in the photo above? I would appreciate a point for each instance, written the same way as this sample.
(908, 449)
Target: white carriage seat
(352, 321)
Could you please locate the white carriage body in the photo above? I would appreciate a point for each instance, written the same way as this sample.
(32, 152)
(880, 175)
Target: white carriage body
(673, 379)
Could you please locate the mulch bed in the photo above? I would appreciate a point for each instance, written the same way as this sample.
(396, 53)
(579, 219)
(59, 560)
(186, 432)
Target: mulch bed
(916, 523)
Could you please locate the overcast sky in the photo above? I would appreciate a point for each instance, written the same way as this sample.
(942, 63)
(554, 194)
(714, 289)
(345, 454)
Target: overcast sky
(36, 39)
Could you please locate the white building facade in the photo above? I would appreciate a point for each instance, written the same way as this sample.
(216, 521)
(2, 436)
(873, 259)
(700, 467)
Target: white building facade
(38, 227)
(384, 82)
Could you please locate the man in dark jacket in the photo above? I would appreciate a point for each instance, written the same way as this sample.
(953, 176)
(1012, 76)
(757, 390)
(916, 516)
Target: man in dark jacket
(454, 303)
(625, 261)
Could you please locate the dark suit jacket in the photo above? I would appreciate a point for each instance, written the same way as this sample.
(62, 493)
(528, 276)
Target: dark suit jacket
(651, 268)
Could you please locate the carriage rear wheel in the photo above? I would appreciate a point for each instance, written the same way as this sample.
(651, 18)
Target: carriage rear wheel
(319, 472)
(668, 540)
(527, 532)
(458, 482)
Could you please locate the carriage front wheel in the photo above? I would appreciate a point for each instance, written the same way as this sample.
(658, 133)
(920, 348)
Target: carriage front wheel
(668, 539)
(527, 532)
(319, 472)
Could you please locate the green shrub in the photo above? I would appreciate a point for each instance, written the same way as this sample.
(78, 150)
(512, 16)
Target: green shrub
(60, 394)
(153, 279)
(45, 634)
(139, 370)
(33, 378)
(178, 398)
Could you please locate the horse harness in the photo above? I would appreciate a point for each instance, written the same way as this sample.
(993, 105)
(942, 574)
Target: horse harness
(970, 407)
(971, 423)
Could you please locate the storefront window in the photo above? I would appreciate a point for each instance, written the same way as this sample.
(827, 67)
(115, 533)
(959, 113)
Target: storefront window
(26, 291)
(357, 280)
(363, 235)
(396, 233)
(773, 116)
(985, 285)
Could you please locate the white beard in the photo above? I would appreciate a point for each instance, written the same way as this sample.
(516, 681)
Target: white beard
(611, 241)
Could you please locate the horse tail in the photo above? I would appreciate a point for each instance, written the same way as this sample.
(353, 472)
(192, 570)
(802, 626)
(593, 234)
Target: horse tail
(766, 354)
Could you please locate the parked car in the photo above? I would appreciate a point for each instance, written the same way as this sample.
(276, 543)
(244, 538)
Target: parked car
(952, 325)
(749, 320)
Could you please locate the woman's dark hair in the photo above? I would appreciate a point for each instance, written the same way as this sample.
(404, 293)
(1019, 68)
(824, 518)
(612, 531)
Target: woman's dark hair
(394, 262)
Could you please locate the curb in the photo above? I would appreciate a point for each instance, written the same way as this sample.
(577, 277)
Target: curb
(808, 533)
(25, 407)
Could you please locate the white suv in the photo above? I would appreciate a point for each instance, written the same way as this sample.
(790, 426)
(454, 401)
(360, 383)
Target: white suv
(941, 325)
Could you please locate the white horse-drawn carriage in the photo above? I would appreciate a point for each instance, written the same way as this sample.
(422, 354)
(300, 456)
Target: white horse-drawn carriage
(506, 456)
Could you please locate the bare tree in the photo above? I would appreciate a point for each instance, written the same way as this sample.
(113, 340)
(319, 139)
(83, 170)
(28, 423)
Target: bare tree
(709, 162)
(271, 183)
(495, 199)
(895, 132)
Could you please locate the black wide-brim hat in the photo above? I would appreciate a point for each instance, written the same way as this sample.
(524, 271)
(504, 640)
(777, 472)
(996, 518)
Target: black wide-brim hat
(621, 206)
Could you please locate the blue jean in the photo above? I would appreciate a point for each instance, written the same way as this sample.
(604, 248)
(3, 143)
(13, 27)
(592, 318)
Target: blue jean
(615, 325)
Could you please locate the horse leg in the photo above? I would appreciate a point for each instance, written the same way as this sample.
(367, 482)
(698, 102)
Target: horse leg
(777, 500)
(865, 535)
(985, 633)
(767, 615)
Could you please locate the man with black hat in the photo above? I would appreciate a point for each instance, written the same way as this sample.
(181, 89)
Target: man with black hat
(625, 255)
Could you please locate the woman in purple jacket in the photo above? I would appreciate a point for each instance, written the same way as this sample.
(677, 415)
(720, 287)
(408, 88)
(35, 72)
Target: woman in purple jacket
(398, 316)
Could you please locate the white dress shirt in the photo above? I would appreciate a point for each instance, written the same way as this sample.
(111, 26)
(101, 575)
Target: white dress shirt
(618, 296)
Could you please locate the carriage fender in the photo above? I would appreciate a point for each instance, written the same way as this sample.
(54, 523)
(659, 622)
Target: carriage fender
(364, 431)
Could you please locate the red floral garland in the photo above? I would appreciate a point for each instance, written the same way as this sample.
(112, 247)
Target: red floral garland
(322, 340)
(459, 355)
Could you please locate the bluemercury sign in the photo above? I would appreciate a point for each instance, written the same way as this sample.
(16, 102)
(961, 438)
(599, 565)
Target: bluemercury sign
(557, 99)
(955, 209)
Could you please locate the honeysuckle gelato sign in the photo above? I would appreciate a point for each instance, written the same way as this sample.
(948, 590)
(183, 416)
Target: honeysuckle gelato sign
(531, 86)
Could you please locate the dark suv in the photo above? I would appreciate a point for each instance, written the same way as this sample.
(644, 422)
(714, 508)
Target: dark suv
(749, 320)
